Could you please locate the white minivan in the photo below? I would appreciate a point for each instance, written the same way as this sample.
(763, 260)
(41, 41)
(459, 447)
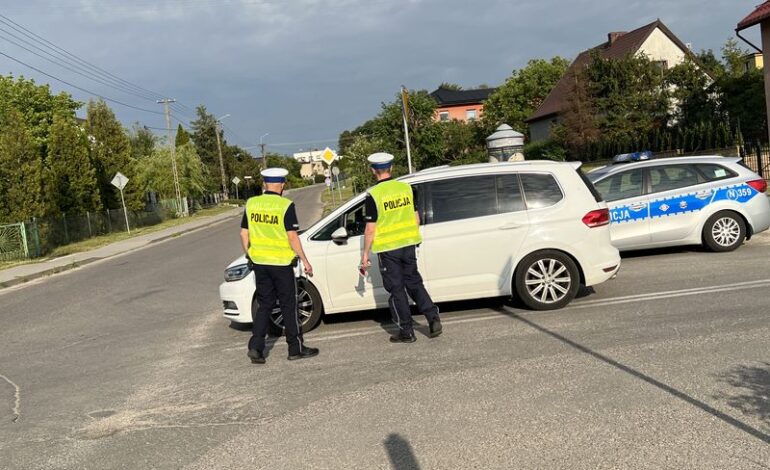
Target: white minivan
(535, 229)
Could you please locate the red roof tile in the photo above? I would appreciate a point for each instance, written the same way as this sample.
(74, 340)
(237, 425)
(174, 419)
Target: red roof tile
(761, 13)
(624, 45)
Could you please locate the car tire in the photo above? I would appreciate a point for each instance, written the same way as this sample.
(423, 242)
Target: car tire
(309, 305)
(547, 280)
(724, 231)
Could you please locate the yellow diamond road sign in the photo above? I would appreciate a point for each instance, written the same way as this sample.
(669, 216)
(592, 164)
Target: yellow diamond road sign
(328, 156)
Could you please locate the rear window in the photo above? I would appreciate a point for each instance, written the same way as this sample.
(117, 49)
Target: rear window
(540, 190)
(714, 172)
(597, 196)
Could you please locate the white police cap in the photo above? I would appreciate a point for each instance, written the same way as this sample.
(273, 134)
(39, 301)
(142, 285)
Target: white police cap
(381, 160)
(274, 175)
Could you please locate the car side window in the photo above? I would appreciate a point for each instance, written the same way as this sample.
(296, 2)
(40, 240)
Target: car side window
(623, 185)
(714, 172)
(462, 198)
(509, 197)
(669, 177)
(354, 221)
(540, 190)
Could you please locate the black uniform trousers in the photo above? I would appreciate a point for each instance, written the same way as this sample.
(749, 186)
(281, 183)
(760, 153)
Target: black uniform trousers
(399, 276)
(276, 283)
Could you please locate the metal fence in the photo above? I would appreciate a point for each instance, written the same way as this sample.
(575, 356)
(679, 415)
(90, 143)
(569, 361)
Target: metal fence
(757, 157)
(13, 242)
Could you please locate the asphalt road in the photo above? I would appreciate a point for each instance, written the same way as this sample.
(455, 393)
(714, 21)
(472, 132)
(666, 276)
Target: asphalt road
(128, 364)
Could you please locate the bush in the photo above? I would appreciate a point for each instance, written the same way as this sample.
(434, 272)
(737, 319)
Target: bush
(319, 178)
(544, 150)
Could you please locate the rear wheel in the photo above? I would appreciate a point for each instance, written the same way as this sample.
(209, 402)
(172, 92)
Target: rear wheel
(309, 309)
(724, 231)
(547, 280)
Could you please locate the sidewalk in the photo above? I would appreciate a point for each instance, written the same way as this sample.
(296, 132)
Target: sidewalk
(28, 272)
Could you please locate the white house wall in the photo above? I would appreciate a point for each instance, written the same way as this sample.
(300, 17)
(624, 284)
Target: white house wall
(658, 46)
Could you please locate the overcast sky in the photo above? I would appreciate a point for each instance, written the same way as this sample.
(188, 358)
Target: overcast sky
(305, 70)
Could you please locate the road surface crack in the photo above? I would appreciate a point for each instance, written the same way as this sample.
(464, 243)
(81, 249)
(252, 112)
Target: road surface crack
(17, 397)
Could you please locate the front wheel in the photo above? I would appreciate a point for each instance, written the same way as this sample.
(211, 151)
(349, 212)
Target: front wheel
(547, 280)
(309, 309)
(724, 231)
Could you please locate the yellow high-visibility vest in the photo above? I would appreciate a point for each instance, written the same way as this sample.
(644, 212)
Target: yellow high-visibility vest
(268, 241)
(396, 224)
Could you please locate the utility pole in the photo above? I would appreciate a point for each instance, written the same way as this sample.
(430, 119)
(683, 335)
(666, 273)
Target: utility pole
(221, 160)
(262, 147)
(177, 190)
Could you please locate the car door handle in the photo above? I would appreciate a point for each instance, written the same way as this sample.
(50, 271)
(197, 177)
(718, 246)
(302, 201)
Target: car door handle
(510, 227)
(638, 206)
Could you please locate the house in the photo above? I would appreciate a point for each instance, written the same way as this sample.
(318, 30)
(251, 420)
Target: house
(311, 161)
(654, 40)
(753, 61)
(462, 105)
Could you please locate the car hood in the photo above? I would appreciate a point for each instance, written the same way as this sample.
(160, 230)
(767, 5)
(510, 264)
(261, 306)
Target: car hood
(238, 261)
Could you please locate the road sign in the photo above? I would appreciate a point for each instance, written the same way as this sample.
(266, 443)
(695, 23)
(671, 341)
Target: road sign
(328, 156)
(236, 180)
(327, 173)
(335, 171)
(328, 181)
(119, 181)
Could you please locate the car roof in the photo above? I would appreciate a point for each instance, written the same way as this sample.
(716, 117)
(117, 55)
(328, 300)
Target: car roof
(612, 169)
(484, 168)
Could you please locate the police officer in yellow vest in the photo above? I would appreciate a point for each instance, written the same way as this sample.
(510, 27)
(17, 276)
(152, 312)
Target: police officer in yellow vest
(269, 238)
(392, 232)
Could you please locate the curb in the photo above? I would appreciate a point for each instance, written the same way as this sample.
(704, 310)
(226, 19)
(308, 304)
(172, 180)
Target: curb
(77, 264)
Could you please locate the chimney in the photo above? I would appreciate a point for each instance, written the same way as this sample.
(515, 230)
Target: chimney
(612, 37)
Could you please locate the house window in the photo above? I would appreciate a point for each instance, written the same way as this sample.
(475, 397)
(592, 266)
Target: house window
(470, 115)
(443, 116)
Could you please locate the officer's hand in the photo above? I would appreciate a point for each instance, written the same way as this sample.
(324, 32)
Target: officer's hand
(365, 263)
(308, 269)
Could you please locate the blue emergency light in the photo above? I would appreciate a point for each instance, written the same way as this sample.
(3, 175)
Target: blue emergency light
(632, 157)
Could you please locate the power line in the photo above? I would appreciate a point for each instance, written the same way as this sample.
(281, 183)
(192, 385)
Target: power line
(79, 88)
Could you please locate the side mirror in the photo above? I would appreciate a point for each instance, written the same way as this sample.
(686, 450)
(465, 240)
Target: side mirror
(340, 236)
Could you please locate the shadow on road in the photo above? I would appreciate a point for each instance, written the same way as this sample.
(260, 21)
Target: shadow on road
(753, 389)
(400, 453)
(760, 377)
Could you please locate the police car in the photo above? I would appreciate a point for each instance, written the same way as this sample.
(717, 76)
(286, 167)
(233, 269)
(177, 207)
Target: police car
(710, 200)
(536, 230)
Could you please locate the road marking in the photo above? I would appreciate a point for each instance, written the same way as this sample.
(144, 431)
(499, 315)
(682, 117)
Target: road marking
(17, 397)
(366, 331)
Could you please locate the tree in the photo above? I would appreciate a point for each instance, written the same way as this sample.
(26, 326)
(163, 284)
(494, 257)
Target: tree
(522, 93)
(742, 103)
(450, 86)
(629, 94)
(71, 183)
(182, 137)
(733, 57)
(204, 137)
(111, 153)
(155, 172)
(142, 141)
(578, 127)
(692, 93)
(20, 170)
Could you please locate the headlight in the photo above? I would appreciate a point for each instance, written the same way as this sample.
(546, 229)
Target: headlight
(236, 273)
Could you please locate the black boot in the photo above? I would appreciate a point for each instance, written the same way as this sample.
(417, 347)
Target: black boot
(256, 356)
(435, 328)
(402, 337)
(304, 353)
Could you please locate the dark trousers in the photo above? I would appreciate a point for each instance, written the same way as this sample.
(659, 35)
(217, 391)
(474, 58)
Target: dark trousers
(276, 283)
(399, 276)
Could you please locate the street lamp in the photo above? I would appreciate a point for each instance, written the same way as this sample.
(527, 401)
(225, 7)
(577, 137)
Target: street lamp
(221, 160)
(505, 145)
(262, 148)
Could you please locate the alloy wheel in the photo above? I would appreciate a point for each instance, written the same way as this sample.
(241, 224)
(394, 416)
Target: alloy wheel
(726, 231)
(304, 308)
(548, 280)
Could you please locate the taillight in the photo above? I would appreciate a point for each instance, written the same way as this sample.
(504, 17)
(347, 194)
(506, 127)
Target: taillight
(597, 218)
(759, 185)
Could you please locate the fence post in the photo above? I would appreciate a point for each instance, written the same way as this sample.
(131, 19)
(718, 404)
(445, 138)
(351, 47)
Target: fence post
(759, 159)
(88, 220)
(109, 222)
(66, 234)
(36, 236)
(24, 239)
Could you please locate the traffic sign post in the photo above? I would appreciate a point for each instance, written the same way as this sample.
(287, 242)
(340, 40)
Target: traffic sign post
(328, 156)
(336, 173)
(120, 181)
(236, 181)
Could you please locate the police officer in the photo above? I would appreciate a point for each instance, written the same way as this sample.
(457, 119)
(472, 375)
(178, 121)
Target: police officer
(392, 232)
(269, 238)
